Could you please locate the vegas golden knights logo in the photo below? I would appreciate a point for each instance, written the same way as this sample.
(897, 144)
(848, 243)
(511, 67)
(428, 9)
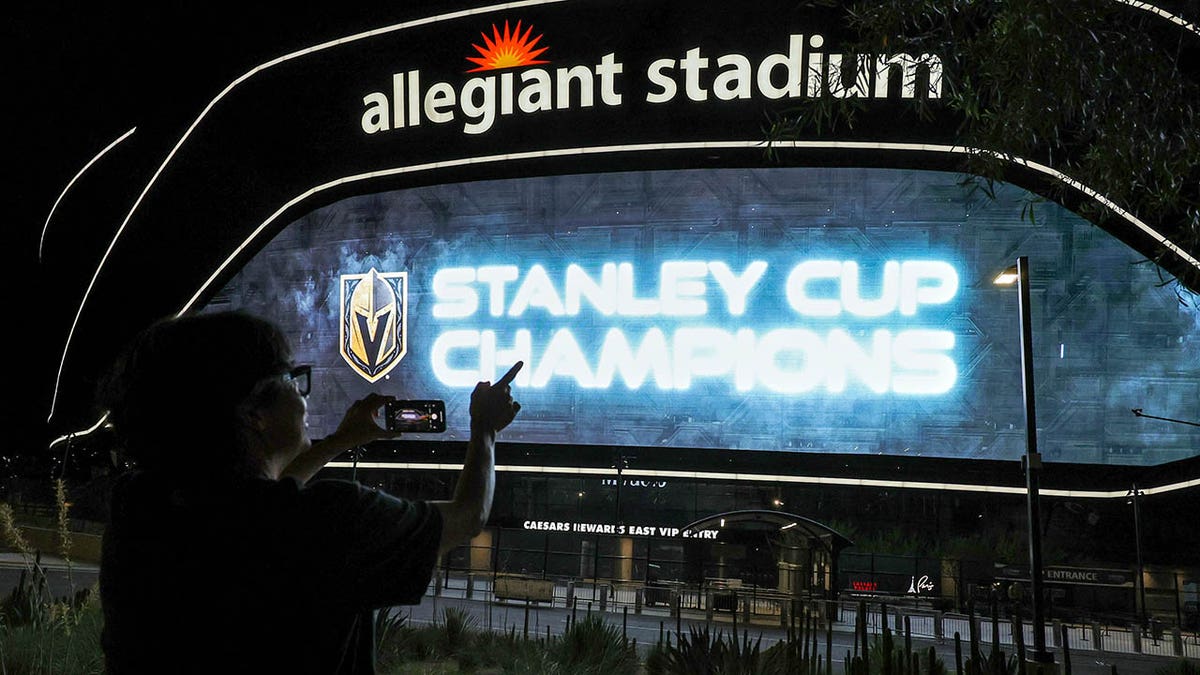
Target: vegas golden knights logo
(374, 326)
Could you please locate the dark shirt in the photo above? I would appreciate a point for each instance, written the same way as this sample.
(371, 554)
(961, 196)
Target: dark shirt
(260, 576)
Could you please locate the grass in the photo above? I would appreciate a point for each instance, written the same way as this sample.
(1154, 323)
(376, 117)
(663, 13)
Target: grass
(68, 644)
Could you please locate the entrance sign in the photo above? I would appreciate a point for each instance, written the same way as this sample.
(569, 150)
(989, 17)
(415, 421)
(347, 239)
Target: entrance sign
(618, 530)
(1088, 576)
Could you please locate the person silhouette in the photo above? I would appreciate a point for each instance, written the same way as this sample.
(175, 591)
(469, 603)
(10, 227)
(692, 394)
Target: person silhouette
(222, 555)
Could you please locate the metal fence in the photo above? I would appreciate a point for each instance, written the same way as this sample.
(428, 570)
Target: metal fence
(770, 608)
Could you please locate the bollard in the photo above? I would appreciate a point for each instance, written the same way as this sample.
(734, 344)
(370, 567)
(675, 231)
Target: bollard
(939, 627)
(570, 594)
(638, 599)
(604, 597)
(708, 607)
(470, 586)
(958, 661)
(675, 604)
(747, 609)
(678, 619)
(1177, 641)
(1066, 650)
(1056, 631)
(1097, 638)
(907, 635)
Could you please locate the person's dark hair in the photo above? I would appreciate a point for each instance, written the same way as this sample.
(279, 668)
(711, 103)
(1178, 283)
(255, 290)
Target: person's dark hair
(177, 396)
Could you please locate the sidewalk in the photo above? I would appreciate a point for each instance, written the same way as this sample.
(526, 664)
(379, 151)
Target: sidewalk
(13, 559)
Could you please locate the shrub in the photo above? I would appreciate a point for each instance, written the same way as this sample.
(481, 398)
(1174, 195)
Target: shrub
(592, 645)
(454, 630)
(701, 651)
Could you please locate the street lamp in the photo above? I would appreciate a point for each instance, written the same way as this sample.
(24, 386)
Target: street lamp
(1134, 495)
(1032, 460)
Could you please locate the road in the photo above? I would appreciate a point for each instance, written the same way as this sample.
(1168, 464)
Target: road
(61, 583)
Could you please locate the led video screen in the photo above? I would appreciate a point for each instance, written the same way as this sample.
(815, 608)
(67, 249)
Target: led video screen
(827, 310)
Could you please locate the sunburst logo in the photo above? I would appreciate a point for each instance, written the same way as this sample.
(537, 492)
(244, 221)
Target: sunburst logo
(510, 49)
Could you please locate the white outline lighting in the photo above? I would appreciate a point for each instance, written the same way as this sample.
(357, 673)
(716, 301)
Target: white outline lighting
(776, 478)
(93, 160)
(1173, 18)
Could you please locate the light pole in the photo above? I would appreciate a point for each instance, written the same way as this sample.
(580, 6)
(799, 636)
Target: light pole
(1134, 496)
(1032, 461)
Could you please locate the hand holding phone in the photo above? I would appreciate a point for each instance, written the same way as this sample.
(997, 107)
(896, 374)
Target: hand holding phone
(424, 416)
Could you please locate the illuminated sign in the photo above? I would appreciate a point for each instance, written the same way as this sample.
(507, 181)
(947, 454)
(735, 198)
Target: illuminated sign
(920, 586)
(507, 50)
(612, 482)
(1072, 575)
(374, 324)
(660, 339)
(865, 586)
(785, 309)
(618, 530)
(802, 70)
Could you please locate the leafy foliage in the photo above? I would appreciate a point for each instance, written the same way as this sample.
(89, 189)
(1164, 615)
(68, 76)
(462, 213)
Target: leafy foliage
(593, 645)
(589, 646)
(455, 630)
(64, 646)
(702, 651)
(1093, 88)
(387, 621)
(41, 634)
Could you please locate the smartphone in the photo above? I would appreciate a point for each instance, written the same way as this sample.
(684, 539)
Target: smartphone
(416, 416)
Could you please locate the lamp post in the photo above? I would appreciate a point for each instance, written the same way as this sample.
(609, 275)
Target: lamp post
(1032, 461)
(1134, 496)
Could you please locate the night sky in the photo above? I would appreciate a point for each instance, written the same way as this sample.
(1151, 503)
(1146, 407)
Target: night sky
(84, 75)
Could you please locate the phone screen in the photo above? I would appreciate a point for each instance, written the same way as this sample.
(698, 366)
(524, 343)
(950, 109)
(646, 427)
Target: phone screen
(416, 416)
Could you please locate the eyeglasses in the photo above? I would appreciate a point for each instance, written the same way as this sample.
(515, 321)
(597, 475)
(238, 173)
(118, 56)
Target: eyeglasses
(301, 378)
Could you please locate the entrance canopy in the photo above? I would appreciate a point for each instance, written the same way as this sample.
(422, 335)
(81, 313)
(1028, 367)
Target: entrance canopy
(763, 518)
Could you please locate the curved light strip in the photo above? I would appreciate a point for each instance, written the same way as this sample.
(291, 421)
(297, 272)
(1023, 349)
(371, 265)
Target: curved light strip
(1173, 18)
(87, 166)
(77, 434)
(254, 71)
(773, 478)
(699, 145)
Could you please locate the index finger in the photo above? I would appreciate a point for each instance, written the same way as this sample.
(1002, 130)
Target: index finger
(512, 372)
